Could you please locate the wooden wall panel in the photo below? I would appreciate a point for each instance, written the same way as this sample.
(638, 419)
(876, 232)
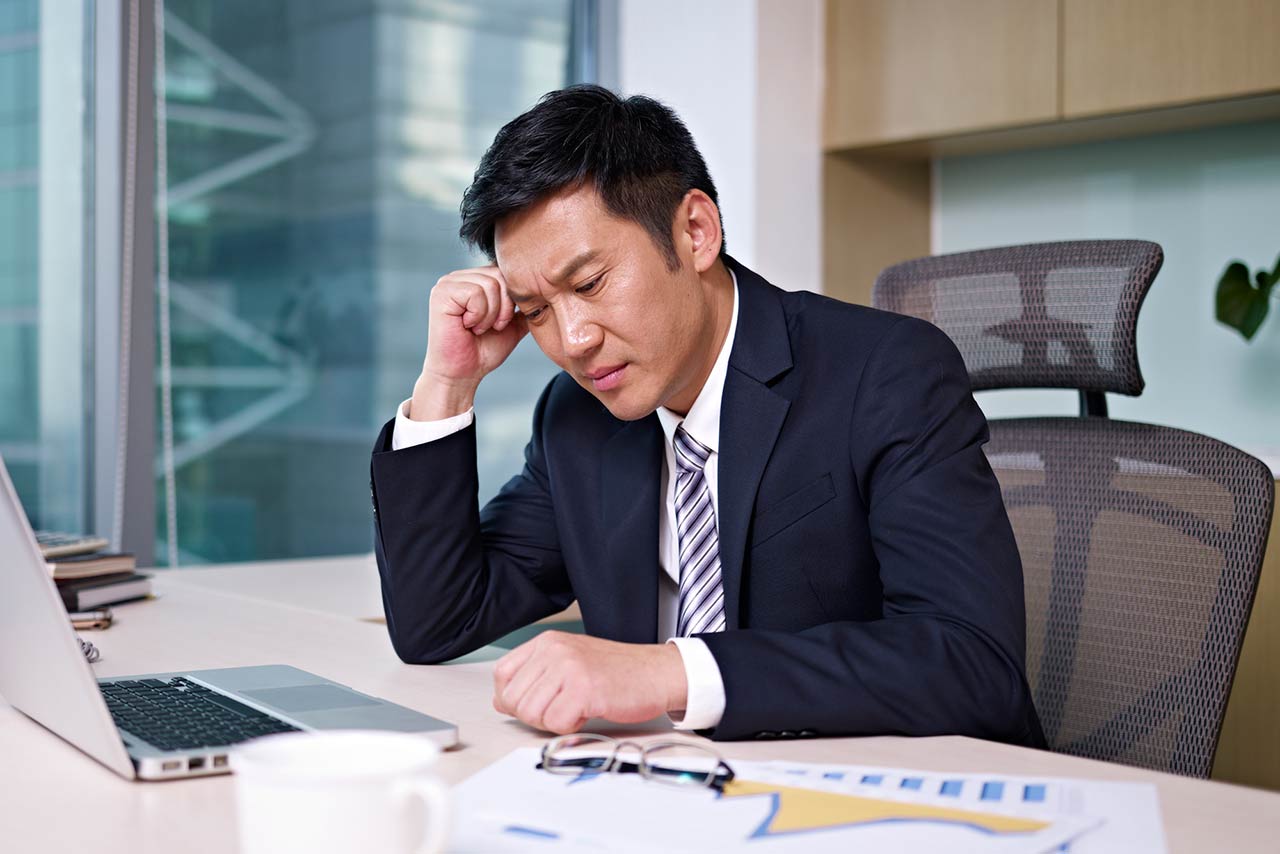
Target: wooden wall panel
(1142, 54)
(875, 212)
(907, 69)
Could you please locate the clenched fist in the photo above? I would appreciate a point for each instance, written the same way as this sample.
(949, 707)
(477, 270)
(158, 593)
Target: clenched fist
(559, 681)
(471, 330)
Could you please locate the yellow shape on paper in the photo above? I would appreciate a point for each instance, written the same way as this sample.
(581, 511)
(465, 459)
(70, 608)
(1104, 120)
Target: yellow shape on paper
(798, 809)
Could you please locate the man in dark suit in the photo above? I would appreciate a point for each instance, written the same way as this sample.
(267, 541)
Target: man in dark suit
(773, 508)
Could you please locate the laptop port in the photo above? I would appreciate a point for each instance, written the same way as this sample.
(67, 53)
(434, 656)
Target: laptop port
(219, 762)
(195, 763)
(170, 765)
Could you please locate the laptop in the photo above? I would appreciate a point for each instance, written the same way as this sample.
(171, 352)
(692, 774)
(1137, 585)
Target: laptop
(155, 726)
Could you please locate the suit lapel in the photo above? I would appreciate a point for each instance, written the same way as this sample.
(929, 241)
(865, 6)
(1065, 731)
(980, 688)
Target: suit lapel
(751, 417)
(750, 420)
(630, 470)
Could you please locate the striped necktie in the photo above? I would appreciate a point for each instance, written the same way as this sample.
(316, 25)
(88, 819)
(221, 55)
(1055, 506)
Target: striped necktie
(701, 591)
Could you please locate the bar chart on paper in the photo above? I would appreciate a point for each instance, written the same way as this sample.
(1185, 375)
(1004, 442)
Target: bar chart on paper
(1116, 817)
(776, 806)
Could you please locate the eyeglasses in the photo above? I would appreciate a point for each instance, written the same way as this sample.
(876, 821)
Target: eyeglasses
(679, 763)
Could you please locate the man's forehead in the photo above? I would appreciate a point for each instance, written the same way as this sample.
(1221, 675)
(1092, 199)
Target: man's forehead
(553, 229)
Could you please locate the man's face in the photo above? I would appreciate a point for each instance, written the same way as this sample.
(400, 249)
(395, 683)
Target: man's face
(603, 305)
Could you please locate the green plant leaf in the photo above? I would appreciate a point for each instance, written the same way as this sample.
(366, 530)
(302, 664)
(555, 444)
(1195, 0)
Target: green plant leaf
(1240, 304)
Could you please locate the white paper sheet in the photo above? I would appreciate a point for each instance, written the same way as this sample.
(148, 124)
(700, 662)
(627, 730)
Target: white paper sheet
(775, 806)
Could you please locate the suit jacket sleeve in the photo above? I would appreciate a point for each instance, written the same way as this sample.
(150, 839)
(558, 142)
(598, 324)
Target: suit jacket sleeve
(946, 657)
(455, 578)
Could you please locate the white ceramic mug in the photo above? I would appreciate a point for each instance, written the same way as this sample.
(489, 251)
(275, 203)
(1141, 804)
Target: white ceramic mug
(340, 791)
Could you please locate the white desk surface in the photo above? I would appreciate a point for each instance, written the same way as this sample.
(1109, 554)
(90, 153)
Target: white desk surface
(307, 614)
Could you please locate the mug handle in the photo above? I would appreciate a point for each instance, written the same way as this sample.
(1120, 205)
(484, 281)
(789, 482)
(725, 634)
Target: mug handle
(436, 800)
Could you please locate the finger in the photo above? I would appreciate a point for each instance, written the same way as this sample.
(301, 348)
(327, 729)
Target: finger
(533, 705)
(492, 307)
(506, 312)
(464, 299)
(534, 672)
(493, 293)
(506, 669)
(507, 666)
(495, 287)
(519, 325)
(565, 713)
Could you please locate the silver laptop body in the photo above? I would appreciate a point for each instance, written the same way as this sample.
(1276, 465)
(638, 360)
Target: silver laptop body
(44, 675)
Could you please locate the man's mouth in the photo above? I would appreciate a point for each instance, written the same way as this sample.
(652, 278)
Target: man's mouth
(607, 377)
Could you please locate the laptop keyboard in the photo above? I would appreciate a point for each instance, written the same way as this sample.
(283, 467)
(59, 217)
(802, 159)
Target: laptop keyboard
(178, 714)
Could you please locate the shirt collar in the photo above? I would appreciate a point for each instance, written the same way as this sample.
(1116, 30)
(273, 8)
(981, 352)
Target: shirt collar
(703, 420)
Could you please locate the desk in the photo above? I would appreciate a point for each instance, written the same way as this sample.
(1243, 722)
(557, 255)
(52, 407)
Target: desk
(308, 614)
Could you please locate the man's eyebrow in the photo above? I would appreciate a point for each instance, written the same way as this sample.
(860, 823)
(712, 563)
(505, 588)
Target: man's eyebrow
(566, 272)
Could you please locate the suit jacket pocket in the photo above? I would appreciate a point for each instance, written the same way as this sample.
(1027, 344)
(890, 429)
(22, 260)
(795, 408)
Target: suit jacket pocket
(785, 513)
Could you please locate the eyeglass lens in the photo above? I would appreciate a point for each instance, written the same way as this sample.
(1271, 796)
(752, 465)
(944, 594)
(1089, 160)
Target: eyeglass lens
(675, 763)
(680, 764)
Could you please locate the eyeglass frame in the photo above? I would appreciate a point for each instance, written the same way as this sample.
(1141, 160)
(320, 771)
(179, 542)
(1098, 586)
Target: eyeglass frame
(614, 764)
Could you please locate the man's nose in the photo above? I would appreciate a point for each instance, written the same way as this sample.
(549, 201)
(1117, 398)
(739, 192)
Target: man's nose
(580, 333)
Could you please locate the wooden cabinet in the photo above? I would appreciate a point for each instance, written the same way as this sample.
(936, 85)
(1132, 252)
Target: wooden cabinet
(1126, 55)
(912, 80)
(875, 212)
(911, 69)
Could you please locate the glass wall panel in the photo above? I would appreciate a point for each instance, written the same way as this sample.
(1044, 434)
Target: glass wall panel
(1208, 197)
(44, 85)
(316, 157)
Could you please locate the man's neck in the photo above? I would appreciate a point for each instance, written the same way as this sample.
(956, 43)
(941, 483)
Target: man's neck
(720, 282)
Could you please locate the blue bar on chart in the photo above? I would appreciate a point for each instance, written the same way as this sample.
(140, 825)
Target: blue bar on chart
(992, 791)
(951, 788)
(834, 775)
(1034, 793)
(873, 779)
(912, 783)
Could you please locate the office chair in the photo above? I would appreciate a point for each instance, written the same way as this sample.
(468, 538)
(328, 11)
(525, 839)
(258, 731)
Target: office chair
(1141, 544)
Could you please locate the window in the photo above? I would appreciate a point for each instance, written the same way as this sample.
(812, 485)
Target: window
(309, 160)
(316, 158)
(44, 273)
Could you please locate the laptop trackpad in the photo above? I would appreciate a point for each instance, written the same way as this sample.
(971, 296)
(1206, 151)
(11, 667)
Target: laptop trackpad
(309, 698)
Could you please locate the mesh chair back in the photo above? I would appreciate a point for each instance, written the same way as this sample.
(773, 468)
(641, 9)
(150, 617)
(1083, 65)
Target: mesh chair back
(1043, 315)
(1141, 548)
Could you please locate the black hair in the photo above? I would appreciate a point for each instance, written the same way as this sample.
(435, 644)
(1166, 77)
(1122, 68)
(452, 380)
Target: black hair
(636, 151)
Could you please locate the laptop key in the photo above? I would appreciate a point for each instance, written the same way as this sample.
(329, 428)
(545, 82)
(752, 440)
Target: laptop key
(182, 715)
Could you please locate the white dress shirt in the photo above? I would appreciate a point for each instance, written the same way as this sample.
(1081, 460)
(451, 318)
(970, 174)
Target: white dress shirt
(705, 705)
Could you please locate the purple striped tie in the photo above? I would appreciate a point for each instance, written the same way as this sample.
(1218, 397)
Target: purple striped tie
(701, 592)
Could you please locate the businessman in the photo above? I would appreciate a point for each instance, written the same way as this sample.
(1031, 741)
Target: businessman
(772, 508)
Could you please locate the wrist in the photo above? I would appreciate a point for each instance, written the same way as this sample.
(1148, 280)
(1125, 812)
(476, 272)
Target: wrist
(435, 399)
(674, 677)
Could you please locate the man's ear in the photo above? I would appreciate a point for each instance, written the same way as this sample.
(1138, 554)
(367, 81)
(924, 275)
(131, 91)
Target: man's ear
(697, 229)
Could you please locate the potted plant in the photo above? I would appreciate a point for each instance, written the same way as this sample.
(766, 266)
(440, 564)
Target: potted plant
(1242, 302)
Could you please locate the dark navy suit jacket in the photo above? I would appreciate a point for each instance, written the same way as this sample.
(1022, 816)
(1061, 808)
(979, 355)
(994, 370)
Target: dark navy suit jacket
(872, 583)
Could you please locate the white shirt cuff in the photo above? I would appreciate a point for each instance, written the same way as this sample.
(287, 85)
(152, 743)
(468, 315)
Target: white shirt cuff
(705, 706)
(408, 433)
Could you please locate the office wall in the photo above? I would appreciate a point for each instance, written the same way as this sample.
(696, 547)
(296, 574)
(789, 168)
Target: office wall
(1208, 197)
(746, 77)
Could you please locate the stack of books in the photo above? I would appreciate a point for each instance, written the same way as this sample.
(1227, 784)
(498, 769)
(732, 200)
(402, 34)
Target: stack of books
(88, 576)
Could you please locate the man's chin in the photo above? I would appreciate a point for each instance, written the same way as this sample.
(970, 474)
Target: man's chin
(624, 407)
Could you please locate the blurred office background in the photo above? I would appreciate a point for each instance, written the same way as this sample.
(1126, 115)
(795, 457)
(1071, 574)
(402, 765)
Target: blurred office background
(316, 156)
